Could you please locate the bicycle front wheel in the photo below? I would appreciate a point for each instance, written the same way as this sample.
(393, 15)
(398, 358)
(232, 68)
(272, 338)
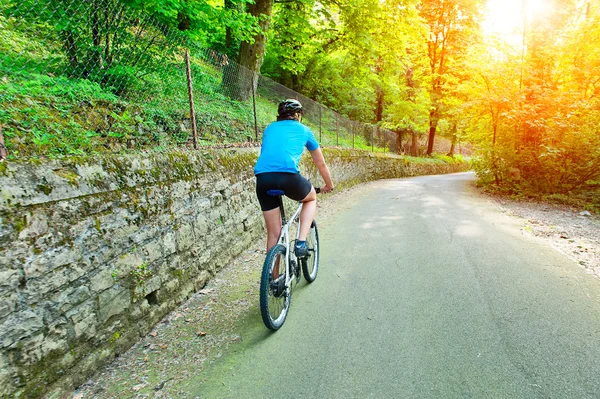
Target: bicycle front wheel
(310, 265)
(274, 295)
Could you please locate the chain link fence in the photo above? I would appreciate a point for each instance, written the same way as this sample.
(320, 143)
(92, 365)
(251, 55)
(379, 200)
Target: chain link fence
(99, 76)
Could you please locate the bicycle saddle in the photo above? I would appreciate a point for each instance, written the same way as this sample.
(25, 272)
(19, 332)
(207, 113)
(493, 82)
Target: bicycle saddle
(275, 193)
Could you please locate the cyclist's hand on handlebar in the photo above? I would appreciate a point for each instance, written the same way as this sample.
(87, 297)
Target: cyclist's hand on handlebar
(326, 189)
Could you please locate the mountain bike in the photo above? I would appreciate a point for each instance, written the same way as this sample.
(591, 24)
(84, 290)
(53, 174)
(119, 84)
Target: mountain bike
(281, 270)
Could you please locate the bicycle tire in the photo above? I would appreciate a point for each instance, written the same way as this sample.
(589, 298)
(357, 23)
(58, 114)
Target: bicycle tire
(310, 266)
(273, 309)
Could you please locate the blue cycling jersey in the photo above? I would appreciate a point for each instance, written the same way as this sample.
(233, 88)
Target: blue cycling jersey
(282, 146)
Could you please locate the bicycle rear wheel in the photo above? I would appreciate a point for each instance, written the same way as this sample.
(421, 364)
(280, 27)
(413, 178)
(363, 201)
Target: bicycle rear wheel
(310, 265)
(274, 301)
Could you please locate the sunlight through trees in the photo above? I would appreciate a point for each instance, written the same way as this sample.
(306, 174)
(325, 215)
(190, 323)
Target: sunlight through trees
(517, 80)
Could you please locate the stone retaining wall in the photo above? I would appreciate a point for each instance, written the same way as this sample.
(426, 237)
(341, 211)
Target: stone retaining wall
(94, 252)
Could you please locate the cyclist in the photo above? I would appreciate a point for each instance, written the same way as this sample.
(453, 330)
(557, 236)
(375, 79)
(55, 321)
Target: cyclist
(277, 169)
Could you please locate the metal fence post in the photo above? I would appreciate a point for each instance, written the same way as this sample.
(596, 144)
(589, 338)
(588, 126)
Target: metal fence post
(337, 134)
(384, 143)
(254, 76)
(3, 152)
(191, 97)
(320, 124)
(372, 139)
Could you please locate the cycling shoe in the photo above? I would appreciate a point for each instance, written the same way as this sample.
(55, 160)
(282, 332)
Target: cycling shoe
(301, 250)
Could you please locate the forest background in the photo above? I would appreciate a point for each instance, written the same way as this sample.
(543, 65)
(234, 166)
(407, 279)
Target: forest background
(86, 77)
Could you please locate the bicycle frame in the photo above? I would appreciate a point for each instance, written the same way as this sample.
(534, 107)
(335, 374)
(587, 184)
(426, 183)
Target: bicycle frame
(284, 239)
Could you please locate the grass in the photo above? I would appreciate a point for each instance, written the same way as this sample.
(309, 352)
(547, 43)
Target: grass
(45, 112)
(586, 198)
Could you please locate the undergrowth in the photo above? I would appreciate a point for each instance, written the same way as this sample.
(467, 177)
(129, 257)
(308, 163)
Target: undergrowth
(585, 198)
(47, 112)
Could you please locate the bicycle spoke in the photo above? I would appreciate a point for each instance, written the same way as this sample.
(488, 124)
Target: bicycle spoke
(274, 301)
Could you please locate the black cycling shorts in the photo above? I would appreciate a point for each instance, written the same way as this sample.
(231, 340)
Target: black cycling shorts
(294, 185)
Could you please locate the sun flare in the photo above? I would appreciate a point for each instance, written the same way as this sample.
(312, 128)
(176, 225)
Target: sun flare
(507, 17)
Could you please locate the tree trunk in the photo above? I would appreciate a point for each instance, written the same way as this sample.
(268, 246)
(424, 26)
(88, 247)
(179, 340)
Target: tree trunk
(229, 5)
(70, 48)
(410, 82)
(183, 22)
(453, 143)
(433, 121)
(96, 38)
(414, 147)
(295, 79)
(399, 134)
(251, 54)
(379, 104)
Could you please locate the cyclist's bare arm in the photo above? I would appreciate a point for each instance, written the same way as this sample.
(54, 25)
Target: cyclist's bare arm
(319, 160)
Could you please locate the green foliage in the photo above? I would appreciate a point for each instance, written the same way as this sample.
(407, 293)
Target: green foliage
(139, 275)
(33, 126)
(312, 50)
(49, 114)
(114, 337)
(291, 47)
(353, 57)
(535, 122)
(456, 159)
(106, 75)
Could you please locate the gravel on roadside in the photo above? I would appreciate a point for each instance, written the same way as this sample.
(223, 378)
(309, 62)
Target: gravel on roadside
(574, 232)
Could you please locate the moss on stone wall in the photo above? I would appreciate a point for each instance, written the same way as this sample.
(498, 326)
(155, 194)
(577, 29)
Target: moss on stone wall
(69, 175)
(238, 161)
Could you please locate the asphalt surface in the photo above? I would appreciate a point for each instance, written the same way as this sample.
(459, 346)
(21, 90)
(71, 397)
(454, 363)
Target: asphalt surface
(425, 290)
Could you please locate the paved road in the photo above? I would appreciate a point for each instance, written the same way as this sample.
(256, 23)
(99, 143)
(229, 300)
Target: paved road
(425, 291)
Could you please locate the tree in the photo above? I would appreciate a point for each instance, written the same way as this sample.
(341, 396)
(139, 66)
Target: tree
(536, 114)
(402, 42)
(484, 112)
(294, 39)
(252, 51)
(453, 25)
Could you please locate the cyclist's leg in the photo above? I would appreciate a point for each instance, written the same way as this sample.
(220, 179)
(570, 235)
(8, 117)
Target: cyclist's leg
(273, 223)
(309, 209)
(300, 189)
(271, 212)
